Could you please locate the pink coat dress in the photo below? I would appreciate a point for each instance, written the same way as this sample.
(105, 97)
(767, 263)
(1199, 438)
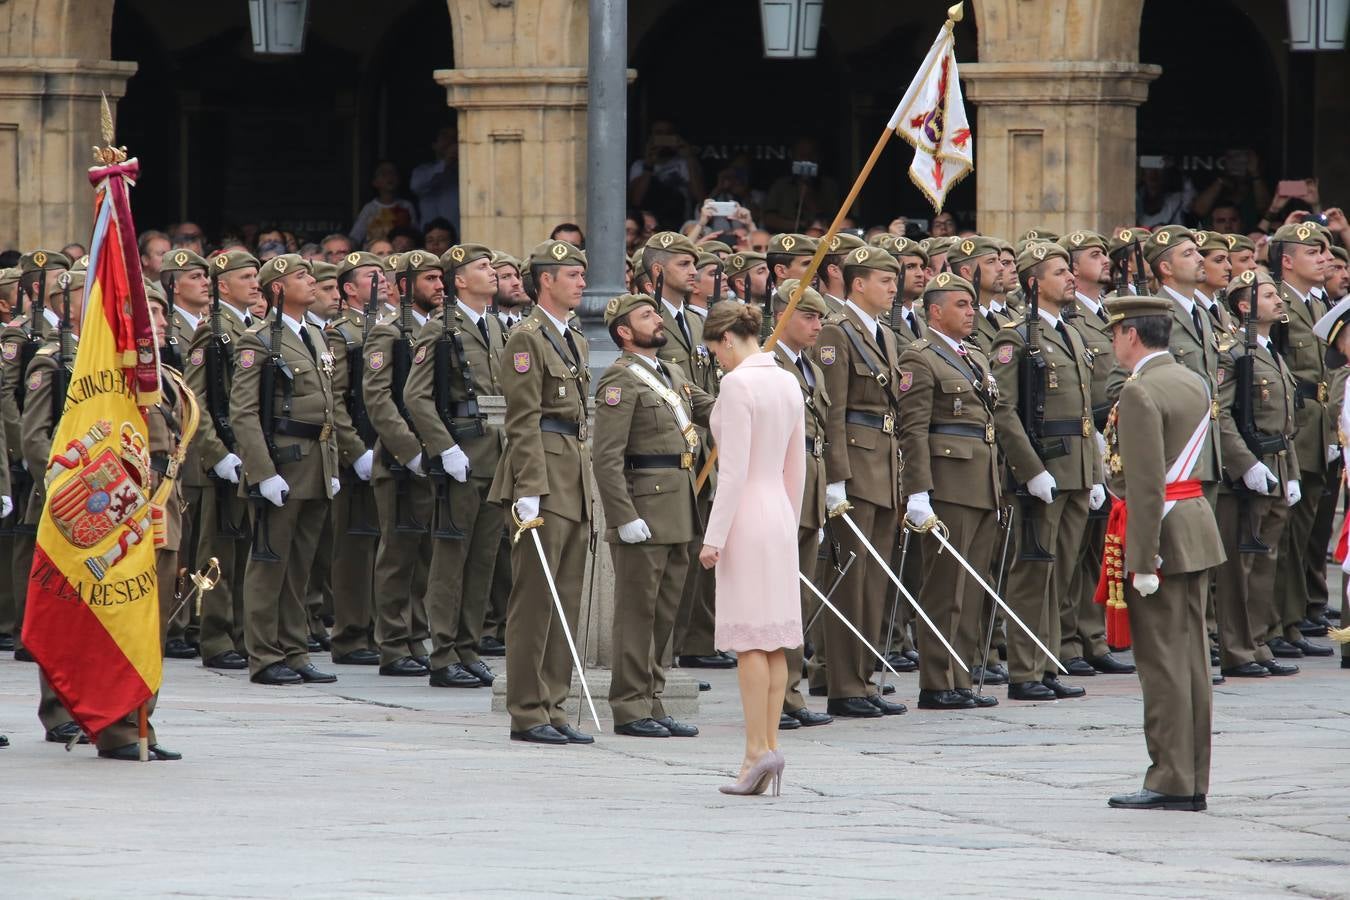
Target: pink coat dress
(760, 428)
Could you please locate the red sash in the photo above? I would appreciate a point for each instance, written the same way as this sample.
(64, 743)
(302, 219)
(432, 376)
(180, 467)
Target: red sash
(1111, 585)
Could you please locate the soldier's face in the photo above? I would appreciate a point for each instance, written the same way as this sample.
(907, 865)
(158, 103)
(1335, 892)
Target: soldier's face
(1009, 264)
(645, 328)
(1057, 284)
(565, 284)
(1338, 279)
(510, 291)
(681, 273)
(1217, 269)
(1242, 261)
(326, 297)
(428, 290)
(157, 322)
(1305, 262)
(1187, 267)
(803, 329)
(759, 279)
(192, 288)
(240, 287)
(875, 291)
(911, 269)
(955, 315)
(478, 279)
(706, 276)
(991, 273)
(1091, 267)
(299, 288)
(797, 267)
(1269, 306)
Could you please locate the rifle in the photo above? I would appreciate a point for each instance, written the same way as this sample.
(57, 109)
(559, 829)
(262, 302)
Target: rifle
(267, 416)
(20, 480)
(450, 358)
(766, 321)
(1031, 379)
(1279, 332)
(219, 368)
(33, 333)
(356, 406)
(1140, 276)
(717, 288)
(404, 519)
(64, 353)
(169, 353)
(1244, 416)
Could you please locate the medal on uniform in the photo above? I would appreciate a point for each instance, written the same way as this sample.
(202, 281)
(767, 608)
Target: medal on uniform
(562, 391)
(1052, 380)
(957, 406)
(326, 363)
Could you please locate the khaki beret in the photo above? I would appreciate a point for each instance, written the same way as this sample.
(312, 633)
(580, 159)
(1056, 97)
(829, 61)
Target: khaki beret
(623, 304)
(1239, 242)
(1299, 233)
(937, 246)
(181, 259)
(43, 261)
(463, 254)
(1038, 234)
(719, 247)
(1340, 253)
(671, 242)
(561, 253)
(708, 259)
(742, 261)
(156, 293)
(1118, 309)
(1005, 245)
(391, 262)
(502, 258)
(232, 260)
(356, 259)
(1037, 252)
(9, 276)
(792, 245)
(1126, 238)
(885, 240)
(323, 271)
(81, 264)
(1247, 279)
(1210, 241)
(418, 261)
(846, 243)
(967, 248)
(281, 266)
(1164, 239)
(872, 258)
(1082, 240)
(948, 281)
(903, 246)
(810, 301)
(72, 280)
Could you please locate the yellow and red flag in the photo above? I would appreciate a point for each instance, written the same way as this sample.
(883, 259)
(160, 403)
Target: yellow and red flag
(92, 620)
(932, 117)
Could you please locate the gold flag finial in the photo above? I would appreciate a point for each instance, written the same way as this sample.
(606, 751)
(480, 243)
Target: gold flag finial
(107, 119)
(957, 12)
(108, 155)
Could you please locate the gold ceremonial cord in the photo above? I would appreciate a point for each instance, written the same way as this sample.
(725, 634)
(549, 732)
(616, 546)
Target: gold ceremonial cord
(194, 415)
(522, 527)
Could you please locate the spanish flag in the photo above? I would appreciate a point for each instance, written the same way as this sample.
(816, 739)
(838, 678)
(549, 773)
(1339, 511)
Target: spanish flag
(92, 618)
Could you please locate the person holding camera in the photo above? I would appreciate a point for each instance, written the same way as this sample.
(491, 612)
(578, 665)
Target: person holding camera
(667, 178)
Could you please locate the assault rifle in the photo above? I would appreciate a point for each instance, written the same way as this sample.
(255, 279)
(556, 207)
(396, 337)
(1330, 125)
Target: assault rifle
(1031, 378)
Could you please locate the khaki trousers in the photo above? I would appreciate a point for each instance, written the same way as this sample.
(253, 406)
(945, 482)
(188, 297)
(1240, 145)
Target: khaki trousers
(1082, 621)
(861, 598)
(276, 624)
(1035, 588)
(648, 581)
(950, 597)
(401, 566)
(222, 625)
(353, 568)
(461, 574)
(807, 558)
(1296, 557)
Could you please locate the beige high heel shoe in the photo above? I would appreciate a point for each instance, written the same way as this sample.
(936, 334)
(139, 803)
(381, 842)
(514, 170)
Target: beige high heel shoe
(767, 771)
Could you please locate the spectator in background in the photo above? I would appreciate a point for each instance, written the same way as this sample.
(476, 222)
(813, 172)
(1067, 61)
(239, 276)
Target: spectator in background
(796, 198)
(944, 225)
(1238, 184)
(73, 251)
(438, 236)
(668, 180)
(1225, 218)
(387, 211)
(380, 247)
(153, 245)
(335, 248)
(649, 225)
(311, 251)
(570, 232)
(1163, 196)
(436, 184)
(405, 239)
(270, 247)
(632, 233)
(189, 236)
(759, 240)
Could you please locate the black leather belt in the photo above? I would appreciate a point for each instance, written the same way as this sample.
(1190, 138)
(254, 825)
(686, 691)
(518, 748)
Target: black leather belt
(1099, 416)
(815, 446)
(1067, 428)
(467, 409)
(884, 423)
(983, 432)
(297, 429)
(558, 426)
(659, 461)
(1312, 390)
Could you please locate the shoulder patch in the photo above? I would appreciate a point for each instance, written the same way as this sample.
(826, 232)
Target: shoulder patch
(197, 356)
(420, 355)
(1005, 354)
(10, 350)
(613, 395)
(828, 356)
(247, 358)
(1218, 378)
(376, 360)
(906, 381)
(35, 381)
(521, 362)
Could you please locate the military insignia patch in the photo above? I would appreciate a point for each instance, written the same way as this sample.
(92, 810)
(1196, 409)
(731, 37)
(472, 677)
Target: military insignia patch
(1303, 232)
(1076, 238)
(1005, 354)
(39, 259)
(827, 356)
(197, 356)
(353, 258)
(457, 254)
(421, 354)
(1232, 240)
(666, 239)
(613, 395)
(1033, 235)
(789, 242)
(1219, 377)
(967, 246)
(222, 261)
(247, 358)
(1039, 251)
(1163, 237)
(1248, 276)
(1126, 235)
(612, 307)
(860, 255)
(180, 258)
(416, 259)
(521, 362)
(834, 243)
(35, 381)
(10, 350)
(559, 251)
(376, 361)
(280, 266)
(944, 279)
(738, 262)
(906, 381)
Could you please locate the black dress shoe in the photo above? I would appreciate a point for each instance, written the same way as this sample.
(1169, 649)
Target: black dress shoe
(1214, 659)
(4, 741)
(312, 675)
(490, 646)
(677, 729)
(1246, 670)
(808, 717)
(1283, 649)
(480, 670)
(991, 675)
(1062, 690)
(1278, 668)
(787, 723)
(455, 676)
(934, 699)
(573, 735)
(362, 657)
(227, 659)
(715, 661)
(1146, 799)
(887, 690)
(406, 666)
(1311, 649)
(423, 661)
(540, 734)
(704, 686)
(1029, 690)
(642, 728)
(1217, 679)
(62, 734)
(6, 642)
(21, 654)
(312, 644)
(912, 654)
(886, 706)
(982, 701)
(132, 753)
(1109, 665)
(325, 642)
(1080, 667)
(852, 708)
(177, 648)
(818, 691)
(899, 662)
(1309, 628)
(277, 673)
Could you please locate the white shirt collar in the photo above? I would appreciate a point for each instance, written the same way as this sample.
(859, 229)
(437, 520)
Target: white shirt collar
(1262, 341)
(649, 360)
(699, 311)
(293, 324)
(417, 316)
(468, 311)
(191, 320)
(1187, 303)
(997, 306)
(244, 315)
(1319, 292)
(1297, 293)
(951, 341)
(867, 320)
(1092, 305)
(561, 326)
(52, 318)
(789, 352)
(1204, 298)
(314, 318)
(1048, 316)
(1139, 365)
(674, 310)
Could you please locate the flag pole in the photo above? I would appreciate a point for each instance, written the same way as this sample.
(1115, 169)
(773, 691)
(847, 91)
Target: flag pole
(143, 732)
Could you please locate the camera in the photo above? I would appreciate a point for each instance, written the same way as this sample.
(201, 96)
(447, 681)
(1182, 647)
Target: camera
(804, 169)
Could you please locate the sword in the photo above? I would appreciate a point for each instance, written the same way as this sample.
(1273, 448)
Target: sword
(841, 511)
(532, 527)
(586, 616)
(1006, 515)
(834, 587)
(849, 625)
(935, 527)
(895, 606)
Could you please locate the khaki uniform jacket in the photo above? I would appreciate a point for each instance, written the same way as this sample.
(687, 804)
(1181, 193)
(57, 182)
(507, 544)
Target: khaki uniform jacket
(311, 402)
(1225, 323)
(1068, 405)
(862, 455)
(396, 437)
(539, 382)
(631, 419)
(1163, 400)
(13, 378)
(958, 468)
(484, 361)
(1273, 409)
(345, 335)
(38, 425)
(1096, 335)
(817, 403)
(904, 334)
(165, 422)
(985, 331)
(1306, 356)
(209, 448)
(693, 360)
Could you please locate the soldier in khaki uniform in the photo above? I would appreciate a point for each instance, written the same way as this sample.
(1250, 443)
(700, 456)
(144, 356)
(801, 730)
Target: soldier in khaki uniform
(982, 253)
(1161, 409)
(1260, 477)
(1062, 469)
(545, 473)
(510, 302)
(290, 473)
(319, 598)
(831, 271)
(1241, 253)
(402, 492)
(234, 276)
(747, 275)
(1215, 272)
(858, 353)
(907, 313)
(466, 451)
(9, 289)
(643, 459)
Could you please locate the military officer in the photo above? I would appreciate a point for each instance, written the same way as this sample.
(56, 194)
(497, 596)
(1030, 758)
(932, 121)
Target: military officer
(1216, 271)
(747, 275)
(9, 289)
(1164, 407)
(979, 253)
(1060, 466)
(951, 473)
(223, 520)
(709, 267)
(831, 270)
(510, 301)
(858, 356)
(789, 256)
(545, 474)
(1241, 253)
(289, 468)
(643, 458)
(906, 311)
(466, 450)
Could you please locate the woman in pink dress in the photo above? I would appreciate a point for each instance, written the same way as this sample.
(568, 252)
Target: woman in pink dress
(760, 428)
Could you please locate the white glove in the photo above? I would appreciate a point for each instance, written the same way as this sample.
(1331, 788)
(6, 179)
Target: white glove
(1333, 453)
(1260, 479)
(820, 536)
(274, 489)
(1101, 444)
(1042, 487)
(7, 507)
(1145, 584)
(527, 508)
(835, 495)
(415, 465)
(635, 532)
(1097, 496)
(228, 468)
(455, 464)
(363, 465)
(918, 509)
(1293, 492)
(335, 485)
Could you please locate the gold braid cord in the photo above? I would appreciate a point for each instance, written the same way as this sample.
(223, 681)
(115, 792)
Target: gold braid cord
(160, 499)
(522, 526)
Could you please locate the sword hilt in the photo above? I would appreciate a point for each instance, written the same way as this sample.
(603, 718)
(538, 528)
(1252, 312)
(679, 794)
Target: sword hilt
(523, 526)
(839, 509)
(932, 523)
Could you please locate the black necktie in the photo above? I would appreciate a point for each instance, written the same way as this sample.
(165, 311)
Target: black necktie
(248, 320)
(1101, 314)
(913, 324)
(1064, 333)
(1214, 314)
(684, 329)
(1199, 326)
(482, 329)
(309, 343)
(993, 319)
(665, 373)
(572, 346)
(881, 343)
(806, 372)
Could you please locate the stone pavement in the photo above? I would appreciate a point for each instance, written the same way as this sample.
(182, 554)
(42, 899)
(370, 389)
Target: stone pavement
(386, 787)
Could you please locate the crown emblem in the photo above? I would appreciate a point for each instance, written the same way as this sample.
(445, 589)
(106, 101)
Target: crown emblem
(560, 249)
(280, 265)
(180, 258)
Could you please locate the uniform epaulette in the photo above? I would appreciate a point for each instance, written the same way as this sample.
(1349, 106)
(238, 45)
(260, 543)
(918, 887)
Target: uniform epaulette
(260, 325)
(918, 344)
(528, 325)
(1226, 342)
(1015, 323)
(47, 350)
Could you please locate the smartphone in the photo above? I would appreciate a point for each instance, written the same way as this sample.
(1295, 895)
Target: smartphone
(1294, 189)
(805, 169)
(724, 208)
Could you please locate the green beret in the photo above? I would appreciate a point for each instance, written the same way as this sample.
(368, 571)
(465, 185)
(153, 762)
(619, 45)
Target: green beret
(718, 247)
(155, 293)
(232, 260)
(1037, 252)
(1247, 279)
(463, 254)
(356, 259)
(9, 276)
(872, 258)
(810, 301)
(708, 259)
(793, 245)
(420, 261)
(1340, 253)
(1082, 240)
(948, 281)
(885, 240)
(502, 258)
(741, 261)
(71, 279)
(1239, 242)
(280, 266)
(323, 271)
(623, 304)
(968, 248)
(43, 261)
(846, 243)
(671, 242)
(1126, 238)
(1300, 233)
(81, 264)
(182, 259)
(1210, 241)
(903, 246)
(1038, 234)
(1164, 239)
(391, 262)
(561, 253)
(1118, 309)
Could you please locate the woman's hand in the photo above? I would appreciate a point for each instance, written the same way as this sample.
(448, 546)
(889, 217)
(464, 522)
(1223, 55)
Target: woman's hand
(709, 556)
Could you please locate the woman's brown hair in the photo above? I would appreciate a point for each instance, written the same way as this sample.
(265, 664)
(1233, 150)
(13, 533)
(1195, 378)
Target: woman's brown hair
(741, 319)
